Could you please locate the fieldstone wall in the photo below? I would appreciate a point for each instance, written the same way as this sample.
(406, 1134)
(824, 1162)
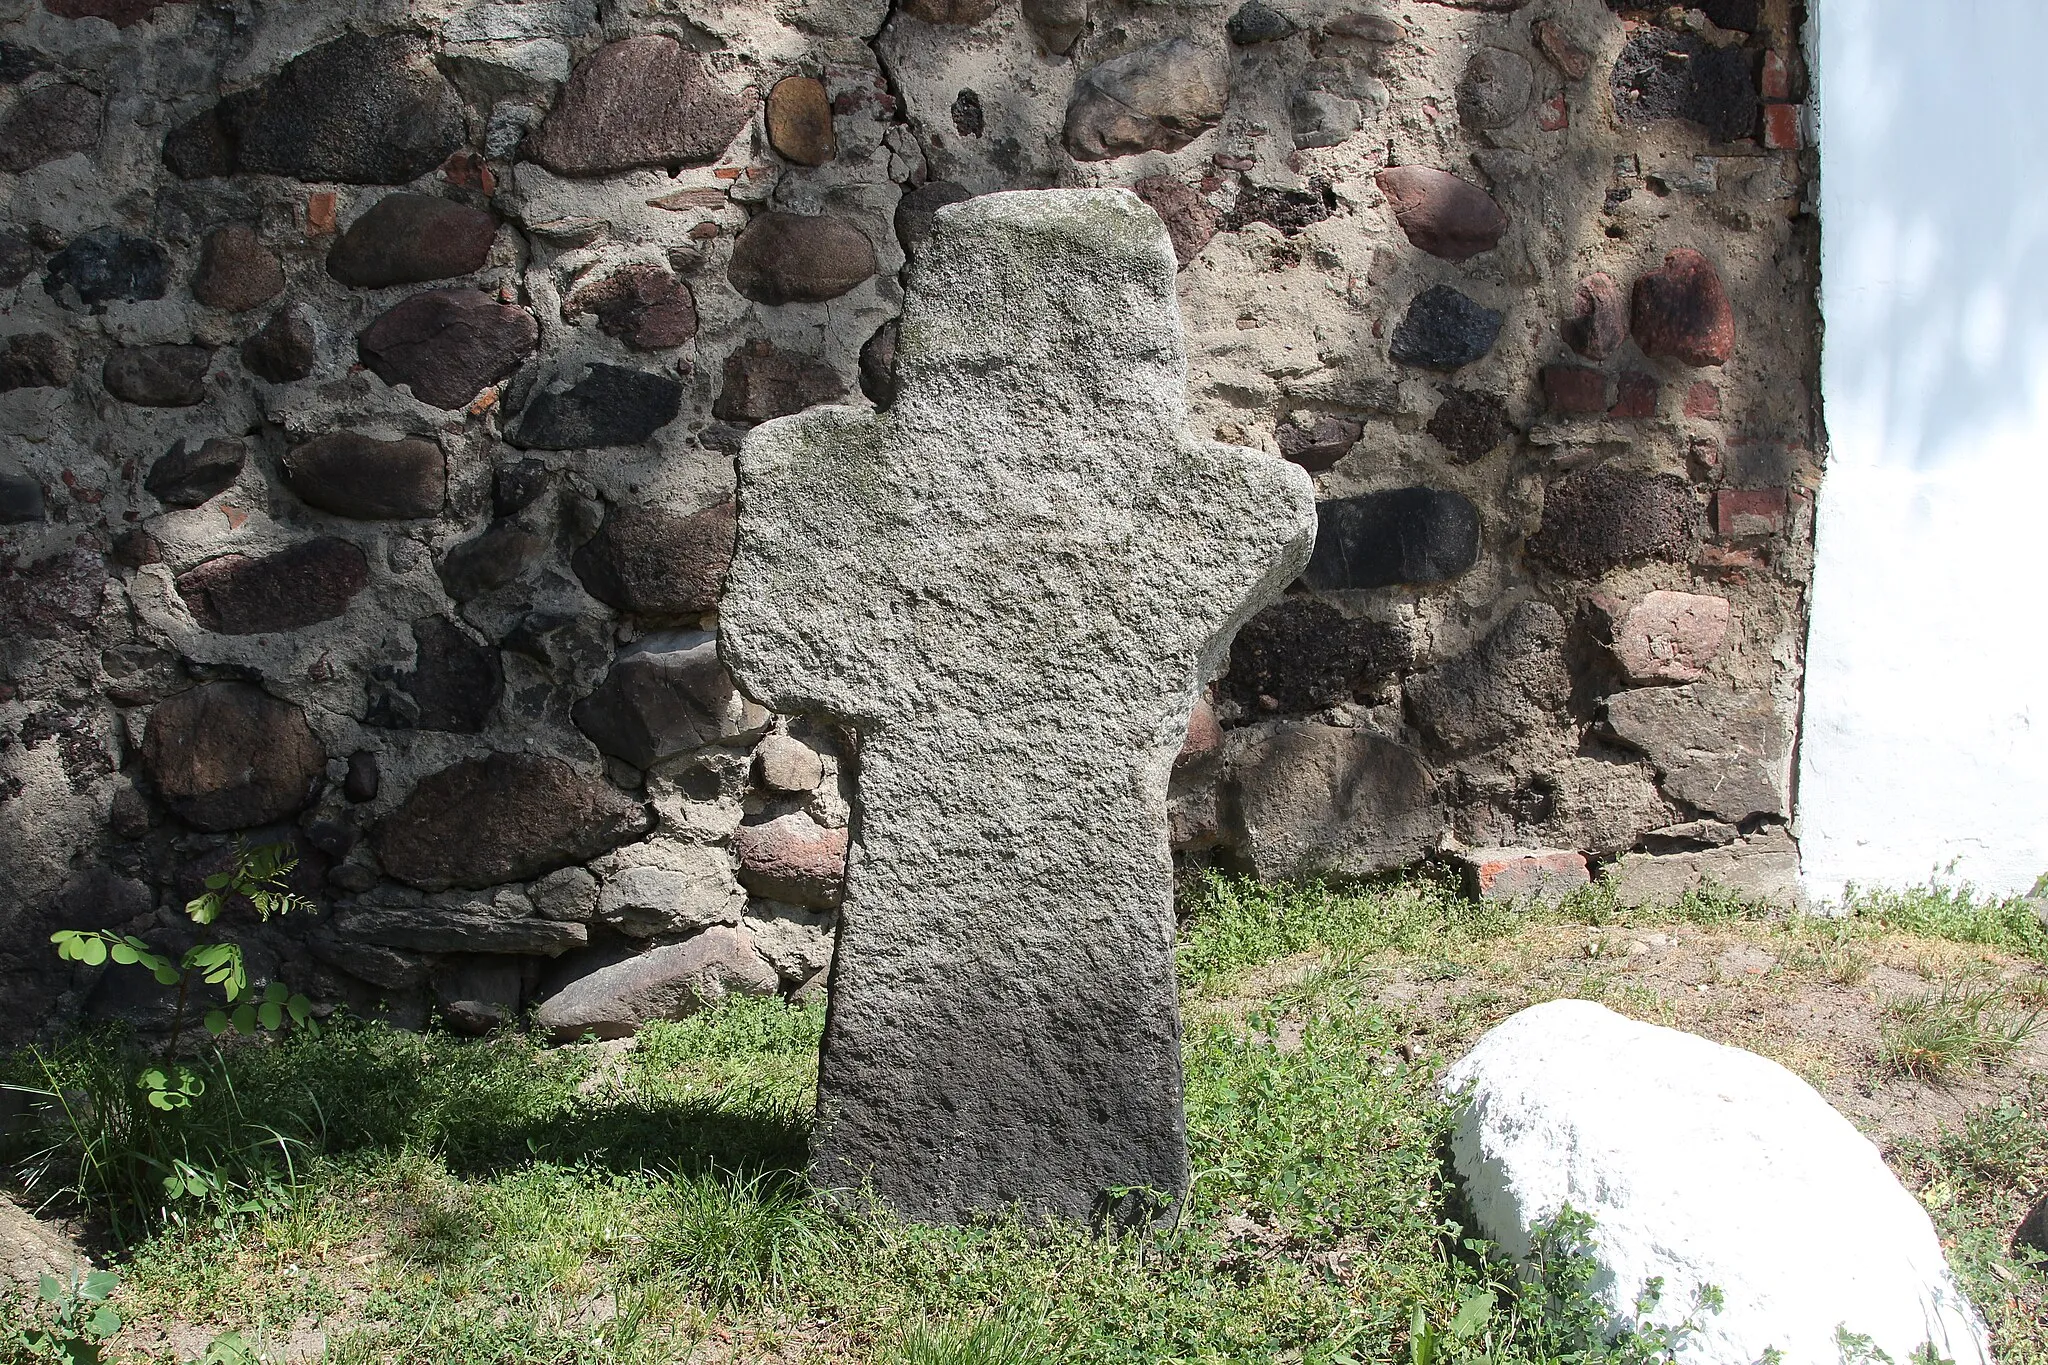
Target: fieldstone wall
(371, 375)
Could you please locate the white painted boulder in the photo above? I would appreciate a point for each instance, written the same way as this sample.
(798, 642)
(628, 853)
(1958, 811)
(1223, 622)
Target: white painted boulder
(1708, 1166)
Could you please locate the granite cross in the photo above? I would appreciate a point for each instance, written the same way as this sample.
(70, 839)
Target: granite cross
(1012, 585)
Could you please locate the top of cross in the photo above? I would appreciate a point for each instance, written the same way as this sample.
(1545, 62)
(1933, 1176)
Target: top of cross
(1031, 533)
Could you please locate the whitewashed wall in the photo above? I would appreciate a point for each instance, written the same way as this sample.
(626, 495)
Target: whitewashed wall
(1926, 731)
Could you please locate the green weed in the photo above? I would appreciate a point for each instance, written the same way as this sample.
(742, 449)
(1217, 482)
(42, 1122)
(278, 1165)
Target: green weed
(1002, 1338)
(1827, 947)
(1234, 924)
(94, 1140)
(1957, 1025)
(1954, 912)
(739, 1240)
(1978, 1179)
(71, 1321)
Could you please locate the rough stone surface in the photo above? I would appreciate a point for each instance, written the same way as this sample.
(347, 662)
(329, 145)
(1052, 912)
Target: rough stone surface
(36, 360)
(1663, 74)
(353, 475)
(1290, 211)
(1523, 876)
(454, 684)
(1744, 16)
(161, 376)
(949, 11)
(1764, 867)
(671, 982)
(1513, 680)
(1574, 390)
(1600, 519)
(969, 119)
(500, 555)
(134, 548)
(363, 109)
(107, 265)
(47, 124)
(688, 887)
(440, 929)
(1442, 214)
(569, 893)
(877, 369)
(1024, 642)
(643, 305)
(21, 499)
(517, 485)
(31, 1249)
(1058, 23)
(796, 942)
(508, 817)
(57, 595)
(799, 121)
(793, 859)
(236, 271)
(18, 258)
(1190, 219)
(653, 561)
(1156, 98)
(185, 475)
(1668, 636)
(1318, 799)
(762, 382)
(608, 405)
(1296, 275)
(1318, 445)
(800, 258)
(1568, 57)
(1321, 119)
(1701, 1166)
(1496, 88)
(448, 344)
(1682, 311)
(386, 968)
(666, 694)
(1258, 22)
(1636, 395)
(1470, 425)
(787, 765)
(1720, 751)
(307, 583)
(283, 349)
(1205, 735)
(1445, 330)
(915, 210)
(226, 755)
(641, 101)
(364, 777)
(410, 239)
(1402, 535)
(1599, 321)
(1301, 653)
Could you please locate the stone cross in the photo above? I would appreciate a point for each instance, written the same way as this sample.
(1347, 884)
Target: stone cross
(1013, 585)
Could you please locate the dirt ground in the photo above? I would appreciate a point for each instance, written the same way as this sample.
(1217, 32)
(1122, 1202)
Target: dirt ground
(1815, 1006)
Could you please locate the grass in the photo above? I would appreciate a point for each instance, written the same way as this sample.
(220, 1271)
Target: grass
(423, 1198)
(1978, 1180)
(1960, 1024)
(1954, 912)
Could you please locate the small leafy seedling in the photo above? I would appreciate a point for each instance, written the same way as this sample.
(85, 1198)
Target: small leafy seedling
(258, 877)
(79, 1319)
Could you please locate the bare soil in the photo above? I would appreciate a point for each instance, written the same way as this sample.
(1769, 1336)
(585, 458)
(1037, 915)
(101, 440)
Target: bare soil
(1819, 1008)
